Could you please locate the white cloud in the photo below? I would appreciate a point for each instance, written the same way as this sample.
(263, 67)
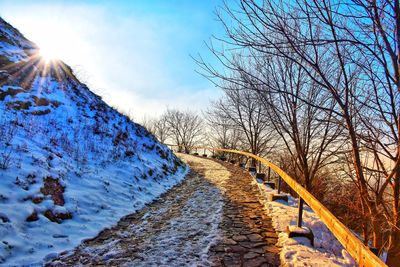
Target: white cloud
(153, 106)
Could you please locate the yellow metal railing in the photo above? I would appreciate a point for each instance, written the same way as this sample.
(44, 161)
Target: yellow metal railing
(361, 254)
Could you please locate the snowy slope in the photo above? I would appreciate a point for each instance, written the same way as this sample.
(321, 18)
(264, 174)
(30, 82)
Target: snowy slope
(70, 165)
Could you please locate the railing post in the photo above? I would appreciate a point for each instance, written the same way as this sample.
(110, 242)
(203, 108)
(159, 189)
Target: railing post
(279, 184)
(269, 174)
(253, 163)
(300, 214)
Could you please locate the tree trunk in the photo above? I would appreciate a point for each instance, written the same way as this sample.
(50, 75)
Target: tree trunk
(365, 233)
(393, 257)
(376, 225)
(376, 234)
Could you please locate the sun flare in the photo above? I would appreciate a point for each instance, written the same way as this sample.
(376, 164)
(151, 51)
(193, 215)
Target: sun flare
(49, 53)
(52, 47)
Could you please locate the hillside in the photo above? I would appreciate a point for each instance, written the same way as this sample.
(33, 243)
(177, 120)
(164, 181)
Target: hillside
(70, 165)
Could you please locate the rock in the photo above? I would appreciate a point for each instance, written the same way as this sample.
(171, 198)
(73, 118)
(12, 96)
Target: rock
(246, 232)
(271, 241)
(250, 255)
(232, 260)
(33, 217)
(238, 249)
(270, 234)
(57, 217)
(246, 244)
(257, 261)
(257, 250)
(214, 260)
(52, 186)
(254, 237)
(239, 238)
(256, 231)
(258, 244)
(219, 248)
(272, 258)
(37, 200)
(272, 249)
(229, 241)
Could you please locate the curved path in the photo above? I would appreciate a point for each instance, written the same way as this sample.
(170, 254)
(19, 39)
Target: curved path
(212, 219)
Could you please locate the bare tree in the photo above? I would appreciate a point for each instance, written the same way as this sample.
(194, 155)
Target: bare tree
(161, 128)
(310, 136)
(221, 131)
(239, 106)
(157, 126)
(148, 123)
(185, 128)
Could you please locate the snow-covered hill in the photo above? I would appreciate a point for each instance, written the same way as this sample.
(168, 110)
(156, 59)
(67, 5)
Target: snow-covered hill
(70, 165)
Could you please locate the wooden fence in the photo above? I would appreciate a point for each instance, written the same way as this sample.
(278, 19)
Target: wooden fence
(362, 254)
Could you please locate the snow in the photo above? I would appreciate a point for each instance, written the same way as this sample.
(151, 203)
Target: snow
(199, 217)
(51, 125)
(300, 230)
(170, 245)
(327, 250)
(14, 48)
(177, 230)
(97, 193)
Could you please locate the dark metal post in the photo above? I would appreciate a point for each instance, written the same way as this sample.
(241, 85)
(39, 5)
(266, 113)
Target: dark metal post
(279, 184)
(253, 163)
(300, 215)
(269, 174)
(259, 166)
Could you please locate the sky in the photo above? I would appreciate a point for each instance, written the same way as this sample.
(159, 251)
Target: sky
(135, 54)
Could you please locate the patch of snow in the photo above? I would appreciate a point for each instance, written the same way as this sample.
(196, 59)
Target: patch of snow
(178, 230)
(185, 240)
(327, 251)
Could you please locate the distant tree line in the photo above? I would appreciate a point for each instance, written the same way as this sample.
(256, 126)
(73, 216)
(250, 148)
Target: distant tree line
(182, 128)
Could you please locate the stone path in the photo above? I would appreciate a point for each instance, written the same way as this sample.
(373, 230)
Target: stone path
(248, 238)
(212, 219)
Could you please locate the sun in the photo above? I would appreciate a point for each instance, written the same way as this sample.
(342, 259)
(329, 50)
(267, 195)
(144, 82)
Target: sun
(49, 53)
(57, 40)
(51, 48)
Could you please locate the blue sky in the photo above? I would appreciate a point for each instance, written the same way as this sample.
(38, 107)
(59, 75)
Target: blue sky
(135, 54)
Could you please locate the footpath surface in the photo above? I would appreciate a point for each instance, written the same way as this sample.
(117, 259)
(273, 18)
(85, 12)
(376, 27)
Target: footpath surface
(212, 219)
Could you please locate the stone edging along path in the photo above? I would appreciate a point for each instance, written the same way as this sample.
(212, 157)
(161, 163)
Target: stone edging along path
(213, 218)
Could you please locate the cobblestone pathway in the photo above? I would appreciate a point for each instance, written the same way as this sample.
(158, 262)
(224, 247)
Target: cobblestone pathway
(248, 238)
(210, 219)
